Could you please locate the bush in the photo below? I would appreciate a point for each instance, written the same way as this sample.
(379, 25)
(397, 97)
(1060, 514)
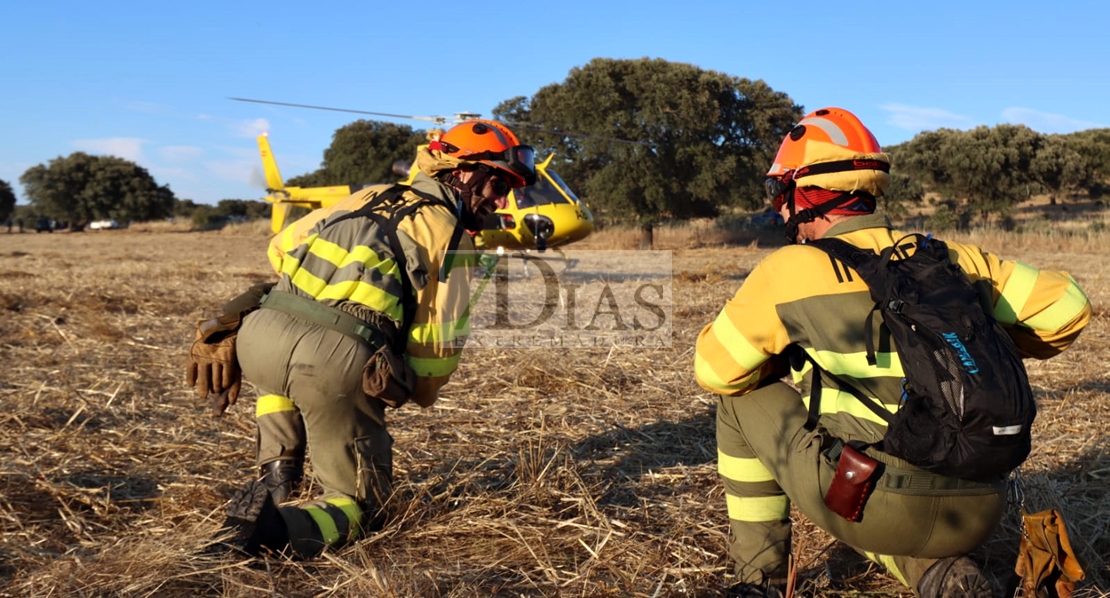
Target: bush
(207, 218)
(943, 219)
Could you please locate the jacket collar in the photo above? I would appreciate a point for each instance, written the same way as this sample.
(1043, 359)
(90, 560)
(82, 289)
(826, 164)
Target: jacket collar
(858, 223)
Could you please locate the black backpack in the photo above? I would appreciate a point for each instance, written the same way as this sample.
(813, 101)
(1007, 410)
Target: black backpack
(967, 407)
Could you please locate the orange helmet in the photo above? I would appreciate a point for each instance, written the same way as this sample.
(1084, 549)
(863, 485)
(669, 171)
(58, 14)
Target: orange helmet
(831, 149)
(492, 144)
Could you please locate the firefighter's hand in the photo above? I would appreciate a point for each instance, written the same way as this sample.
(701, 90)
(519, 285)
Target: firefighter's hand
(212, 368)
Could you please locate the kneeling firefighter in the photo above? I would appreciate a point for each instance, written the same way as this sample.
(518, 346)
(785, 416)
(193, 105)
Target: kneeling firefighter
(369, 311)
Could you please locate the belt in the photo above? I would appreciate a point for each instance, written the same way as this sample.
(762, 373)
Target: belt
(324, 315)
(904, 480)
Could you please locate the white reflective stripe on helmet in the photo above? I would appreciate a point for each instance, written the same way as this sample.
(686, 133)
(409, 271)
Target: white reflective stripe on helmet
(836, 135)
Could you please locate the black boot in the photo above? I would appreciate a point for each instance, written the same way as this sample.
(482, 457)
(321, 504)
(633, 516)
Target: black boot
(254, 521)
(282, 476)
(954, 577)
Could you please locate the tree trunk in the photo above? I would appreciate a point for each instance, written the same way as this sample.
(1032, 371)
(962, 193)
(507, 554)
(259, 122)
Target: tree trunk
(647, 236)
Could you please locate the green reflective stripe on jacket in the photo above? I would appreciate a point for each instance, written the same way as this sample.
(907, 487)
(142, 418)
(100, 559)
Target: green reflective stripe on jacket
(854, 365)
(737, 345)
(708, 377)
(835, 401)
(1060, 313)
(1019, 287)
(439, 333)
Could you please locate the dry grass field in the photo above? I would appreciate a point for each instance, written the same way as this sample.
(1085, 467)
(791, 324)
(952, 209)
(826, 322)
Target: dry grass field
(587, 473)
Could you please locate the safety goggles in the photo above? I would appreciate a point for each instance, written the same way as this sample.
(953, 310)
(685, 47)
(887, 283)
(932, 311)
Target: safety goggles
(776, 188)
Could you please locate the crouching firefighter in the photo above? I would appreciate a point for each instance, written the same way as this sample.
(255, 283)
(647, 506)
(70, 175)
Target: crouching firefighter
(369, 312)
(900, 453)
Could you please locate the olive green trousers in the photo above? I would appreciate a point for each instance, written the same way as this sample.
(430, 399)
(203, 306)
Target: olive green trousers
(310, 398)
(768, 460)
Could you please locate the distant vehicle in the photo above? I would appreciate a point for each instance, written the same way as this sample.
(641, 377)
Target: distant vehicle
(103, 224)
(44, 224)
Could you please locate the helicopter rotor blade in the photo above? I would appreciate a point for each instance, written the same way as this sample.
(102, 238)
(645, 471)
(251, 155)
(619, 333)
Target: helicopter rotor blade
(540, 129)
(256, 178)
(443, 120)
(436, 119)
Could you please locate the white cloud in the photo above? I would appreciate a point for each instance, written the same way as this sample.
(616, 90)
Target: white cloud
(251, 128)
(918, 118)
(1046, 122)
(128, 148)
(180, 153)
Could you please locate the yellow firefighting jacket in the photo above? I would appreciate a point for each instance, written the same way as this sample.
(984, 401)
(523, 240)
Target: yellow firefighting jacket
(348, 263)
(802, 295)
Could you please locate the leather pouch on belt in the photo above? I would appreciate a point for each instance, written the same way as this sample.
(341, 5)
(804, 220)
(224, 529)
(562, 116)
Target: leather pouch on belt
(387, 377)
(852, 484)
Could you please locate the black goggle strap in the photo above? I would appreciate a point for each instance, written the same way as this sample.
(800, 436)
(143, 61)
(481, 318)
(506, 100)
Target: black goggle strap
(840, 166)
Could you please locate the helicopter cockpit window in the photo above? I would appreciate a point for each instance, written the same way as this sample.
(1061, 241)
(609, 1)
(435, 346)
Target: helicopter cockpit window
(559, 181)
(542, 193)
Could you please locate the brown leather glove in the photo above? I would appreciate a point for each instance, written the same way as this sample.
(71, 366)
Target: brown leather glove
(212, 368)
(1047, 565)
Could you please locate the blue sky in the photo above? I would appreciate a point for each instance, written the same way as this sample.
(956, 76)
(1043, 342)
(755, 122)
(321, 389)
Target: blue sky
(149, 81)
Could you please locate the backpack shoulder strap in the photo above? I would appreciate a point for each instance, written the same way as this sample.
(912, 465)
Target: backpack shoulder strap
(852, 256)
(387, 211)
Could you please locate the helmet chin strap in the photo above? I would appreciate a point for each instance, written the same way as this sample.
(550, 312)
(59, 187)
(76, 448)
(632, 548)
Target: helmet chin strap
(809, 214)
(466, 192)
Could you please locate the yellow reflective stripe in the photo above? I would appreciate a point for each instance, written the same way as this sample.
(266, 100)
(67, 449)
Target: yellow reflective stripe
(1018, 289)
(737, 345)
(287, 236)
(366, 294)
(327, 526)
(742, 469)
(267, 404)
(433, 366)
(854, 365)
(708, 378)
(308, 282)
(351, 509)
(329, 251)
(340, 257)
(887, 561)
(438, 333)
(758, 509)
(1064, 310)
(835, 401)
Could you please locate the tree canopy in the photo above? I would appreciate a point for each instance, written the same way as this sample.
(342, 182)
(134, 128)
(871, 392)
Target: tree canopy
(989, 170)
(363, 152)
(81, 187)
(700, 139)
(7, 200)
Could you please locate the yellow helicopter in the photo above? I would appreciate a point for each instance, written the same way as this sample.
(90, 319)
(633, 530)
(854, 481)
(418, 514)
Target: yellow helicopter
(540, 216)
